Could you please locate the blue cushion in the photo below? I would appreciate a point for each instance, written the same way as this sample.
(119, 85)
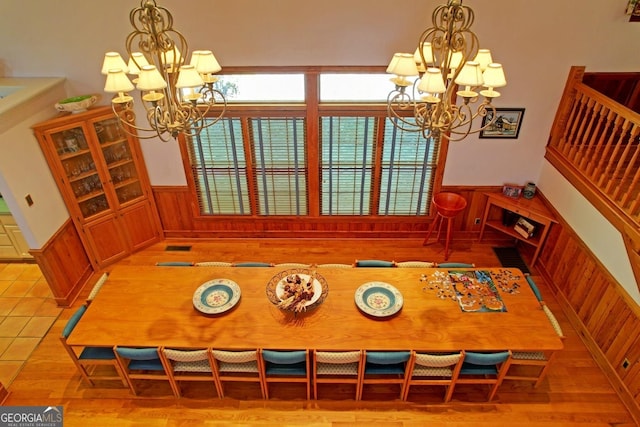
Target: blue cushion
(470, 369)
(285, 357)
(373, 263)
(455, 265)
(534, 287)
(386, 369)
(471, 358)
(138, 353)
(103, 353)
(252, 264)
(299, 368)
(387, 357)
(73, 321)
(146, 365)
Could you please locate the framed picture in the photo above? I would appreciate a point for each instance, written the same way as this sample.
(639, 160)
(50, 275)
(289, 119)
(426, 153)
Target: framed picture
(507, 124)
(511, 190)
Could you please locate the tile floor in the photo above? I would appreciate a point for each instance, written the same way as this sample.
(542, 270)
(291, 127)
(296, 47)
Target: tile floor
(27, 311)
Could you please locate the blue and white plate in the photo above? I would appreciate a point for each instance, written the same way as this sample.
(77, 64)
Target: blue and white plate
(378, 299)
(216, 296)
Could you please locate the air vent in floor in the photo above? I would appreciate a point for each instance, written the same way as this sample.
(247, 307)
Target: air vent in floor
(178, 248)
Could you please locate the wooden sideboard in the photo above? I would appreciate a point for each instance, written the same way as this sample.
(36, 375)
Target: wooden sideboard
(533, 209)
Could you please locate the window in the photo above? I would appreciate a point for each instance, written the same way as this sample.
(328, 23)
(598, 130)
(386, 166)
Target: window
(338, 155)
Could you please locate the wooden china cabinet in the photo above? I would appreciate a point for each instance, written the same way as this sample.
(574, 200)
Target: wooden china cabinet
(101, 174)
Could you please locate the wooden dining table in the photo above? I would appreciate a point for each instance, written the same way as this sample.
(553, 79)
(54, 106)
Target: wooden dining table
(153, 306)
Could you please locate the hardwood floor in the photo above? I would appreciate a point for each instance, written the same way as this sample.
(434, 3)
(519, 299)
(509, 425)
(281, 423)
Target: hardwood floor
(574, 393)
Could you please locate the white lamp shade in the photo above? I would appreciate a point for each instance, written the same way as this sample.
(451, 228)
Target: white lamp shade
(403, 65)
(136, 61)
(483, 57)
(455, 60)
(117, 81)
(432, 81)
(204, 62)
(494, 76)
(172, 57)
(427, 52)
(189, 77)
(113, 61)
(470, 75)
(150, 79)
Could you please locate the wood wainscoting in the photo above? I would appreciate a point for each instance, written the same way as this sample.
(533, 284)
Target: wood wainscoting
(599, 308)
(178, 213)
(64, 263)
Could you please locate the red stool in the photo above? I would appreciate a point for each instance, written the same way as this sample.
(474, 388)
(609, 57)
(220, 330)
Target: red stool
(448, 205)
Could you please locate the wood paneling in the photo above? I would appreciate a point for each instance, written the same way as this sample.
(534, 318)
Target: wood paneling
(178, 213)
(64, 263)
(598, 307)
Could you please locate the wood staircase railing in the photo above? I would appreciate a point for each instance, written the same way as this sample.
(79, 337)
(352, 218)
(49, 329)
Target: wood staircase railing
(595, 144)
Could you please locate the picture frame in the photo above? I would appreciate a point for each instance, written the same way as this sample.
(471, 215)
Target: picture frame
(507, 125)
(512, 190)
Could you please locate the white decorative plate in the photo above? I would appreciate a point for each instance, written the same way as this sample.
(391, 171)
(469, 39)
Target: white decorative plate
(216, 296)
(378, 299)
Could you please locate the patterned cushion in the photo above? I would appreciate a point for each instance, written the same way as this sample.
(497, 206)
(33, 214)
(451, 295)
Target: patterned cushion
(335, 265)
(425, 371)
(528, 355)
(337, 357)
(212, 264)
(238, 367)
(416, 264)
(196, 366)
(97, 286)
(337, 369)
(293, 265)
(553, 320)
(437, 360)
(186, 356)
(235, 356)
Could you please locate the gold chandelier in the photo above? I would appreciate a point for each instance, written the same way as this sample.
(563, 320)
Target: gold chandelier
(447, 59)
(176, 96)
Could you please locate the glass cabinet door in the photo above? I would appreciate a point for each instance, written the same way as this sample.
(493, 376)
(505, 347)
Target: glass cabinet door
(119, 159)
(80, 170)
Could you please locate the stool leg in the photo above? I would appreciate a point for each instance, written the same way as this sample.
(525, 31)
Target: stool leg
(437, 220)
(446, 245)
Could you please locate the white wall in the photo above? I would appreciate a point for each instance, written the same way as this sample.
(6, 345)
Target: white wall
(594, 229)
(536, 41)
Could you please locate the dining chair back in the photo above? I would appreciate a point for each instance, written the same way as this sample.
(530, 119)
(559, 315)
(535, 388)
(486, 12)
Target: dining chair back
(236, 366)
(534, 287)
(386, 367)
(141, 364)
(292, 265)
(212, 264)
(335, 265)
(534, 365)
(252, 264)
(97, 286)
(456, 265)
(93, 363)
(337, 367)
(174, 264)
(286, 367)
(485, 368)
(416, 264)
(434, 369)
(374, 263)
(187, 365)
